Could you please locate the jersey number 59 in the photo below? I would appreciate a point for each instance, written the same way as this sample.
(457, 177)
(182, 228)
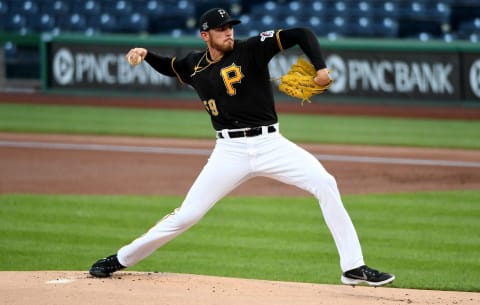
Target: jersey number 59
(211, 107)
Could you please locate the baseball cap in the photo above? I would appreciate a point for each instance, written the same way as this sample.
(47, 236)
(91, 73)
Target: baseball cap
(216, 18)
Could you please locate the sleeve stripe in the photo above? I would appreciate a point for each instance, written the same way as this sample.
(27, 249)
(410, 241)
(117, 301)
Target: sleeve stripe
(279, 43)
(175, 71)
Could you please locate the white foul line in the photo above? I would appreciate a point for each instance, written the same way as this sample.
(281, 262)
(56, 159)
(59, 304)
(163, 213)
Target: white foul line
(206, 152)
(107, 147)
(400, 161)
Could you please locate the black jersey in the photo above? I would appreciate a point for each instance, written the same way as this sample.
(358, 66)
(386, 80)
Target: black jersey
(236, 90)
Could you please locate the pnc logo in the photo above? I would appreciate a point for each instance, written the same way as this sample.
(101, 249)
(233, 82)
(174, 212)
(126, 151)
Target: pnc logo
(475, 78)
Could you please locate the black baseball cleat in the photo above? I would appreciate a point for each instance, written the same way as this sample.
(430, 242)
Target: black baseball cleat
(365, 274)
(106, 266)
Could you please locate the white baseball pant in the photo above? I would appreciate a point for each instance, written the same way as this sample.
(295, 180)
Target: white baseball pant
(232, 162)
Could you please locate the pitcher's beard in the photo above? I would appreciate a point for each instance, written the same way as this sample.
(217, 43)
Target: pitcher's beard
(226, 46)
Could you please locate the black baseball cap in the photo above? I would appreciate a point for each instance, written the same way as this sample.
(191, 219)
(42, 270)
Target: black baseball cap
(216, 18)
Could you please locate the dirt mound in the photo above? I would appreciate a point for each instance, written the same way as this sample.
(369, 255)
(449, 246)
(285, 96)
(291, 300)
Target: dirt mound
(72, 288)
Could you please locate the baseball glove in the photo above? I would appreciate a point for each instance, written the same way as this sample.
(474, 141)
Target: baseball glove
(298, 82)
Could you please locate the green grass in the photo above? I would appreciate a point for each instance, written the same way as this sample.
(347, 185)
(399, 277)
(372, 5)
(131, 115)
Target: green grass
(429, 240)
(103, 121)
(196, 124)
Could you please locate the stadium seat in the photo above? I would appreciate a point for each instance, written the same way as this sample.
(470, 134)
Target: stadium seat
(291, 21)
(474, 38)
(340, 26)
(449, 37)
(58, 8)
(413, 9)
(151, 8)
(106, 24)
(388, 27)
(440, 10)
(363, 26)
(182, 8)
(46, 23)
(92, 7)
(165, 24)
(117, 7)
(15, 23)
(3, 14)
(270, 6)
(317, 8)
(295, 6)
(3, 7)
(122, 7)
(135, 23)
(461, 13)
(243, 29)
(10, 49)
(362, 9)
(420, 29)
(315, 22)
(340, 6)
(386, 9)
(468, 27)
(268, 21)
(27, 9)
(76, 23)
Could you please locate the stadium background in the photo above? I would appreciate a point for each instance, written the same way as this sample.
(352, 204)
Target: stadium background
(26, 23)
(423, 19)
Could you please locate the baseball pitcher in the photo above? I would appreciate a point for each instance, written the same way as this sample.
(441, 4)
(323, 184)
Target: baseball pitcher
(231, 78)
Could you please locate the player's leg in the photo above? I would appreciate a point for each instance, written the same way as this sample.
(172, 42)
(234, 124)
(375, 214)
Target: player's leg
(222, 173)
(294, 165)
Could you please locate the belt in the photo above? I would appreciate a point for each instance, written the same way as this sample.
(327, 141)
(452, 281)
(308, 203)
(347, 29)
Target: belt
(249, 132)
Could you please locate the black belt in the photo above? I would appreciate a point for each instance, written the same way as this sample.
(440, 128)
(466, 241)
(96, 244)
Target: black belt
(251, 132)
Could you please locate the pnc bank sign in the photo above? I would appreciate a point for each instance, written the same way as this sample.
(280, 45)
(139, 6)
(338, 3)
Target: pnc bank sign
(391, 76)
(74, 67)
(388, 75)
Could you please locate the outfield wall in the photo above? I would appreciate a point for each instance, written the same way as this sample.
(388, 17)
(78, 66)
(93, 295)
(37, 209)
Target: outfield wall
(372, 70)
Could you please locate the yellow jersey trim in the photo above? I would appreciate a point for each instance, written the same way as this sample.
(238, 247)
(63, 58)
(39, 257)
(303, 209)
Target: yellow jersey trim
(279, 43)
(175, 71)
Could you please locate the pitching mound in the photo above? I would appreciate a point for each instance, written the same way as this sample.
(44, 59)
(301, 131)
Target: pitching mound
(72, 288)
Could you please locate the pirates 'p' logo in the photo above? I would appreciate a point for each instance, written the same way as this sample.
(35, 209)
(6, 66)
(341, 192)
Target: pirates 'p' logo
(222, 13)
(231, 75)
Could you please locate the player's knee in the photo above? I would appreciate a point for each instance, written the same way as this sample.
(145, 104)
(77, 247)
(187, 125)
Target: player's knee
(330, 181)
(324, 184)
(325, 180)
(185, 220)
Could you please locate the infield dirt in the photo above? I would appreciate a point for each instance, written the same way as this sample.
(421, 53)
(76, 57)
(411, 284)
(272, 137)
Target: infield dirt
(125, 288)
